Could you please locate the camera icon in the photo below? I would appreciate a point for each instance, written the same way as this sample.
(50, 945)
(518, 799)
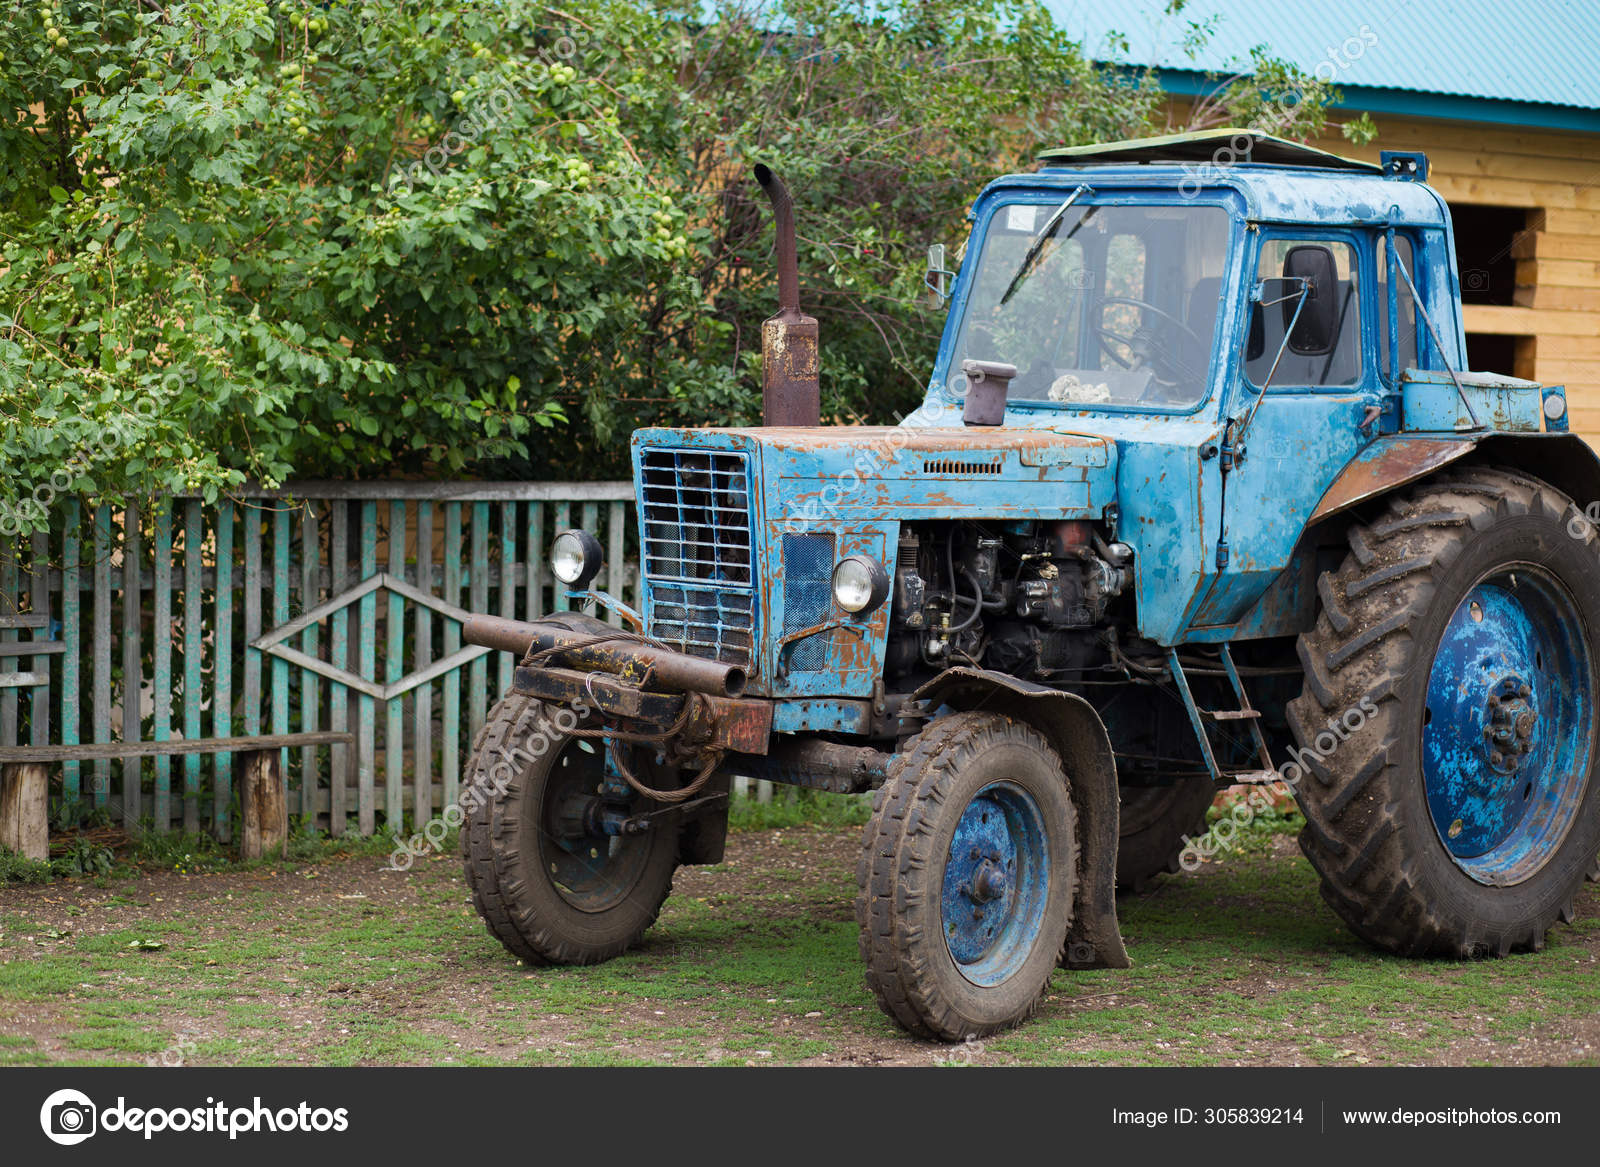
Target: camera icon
(68, 1117)
(1277, 449)
(1475, 279)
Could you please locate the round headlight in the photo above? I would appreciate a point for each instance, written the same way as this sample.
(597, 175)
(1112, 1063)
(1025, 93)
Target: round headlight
(1555, 407)
(575, 558)
(860, 583)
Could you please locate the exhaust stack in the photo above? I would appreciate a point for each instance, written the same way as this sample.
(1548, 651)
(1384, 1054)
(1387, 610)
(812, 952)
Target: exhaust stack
(790, 394)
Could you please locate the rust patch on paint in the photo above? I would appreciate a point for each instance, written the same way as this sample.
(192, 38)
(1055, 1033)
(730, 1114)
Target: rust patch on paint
(1384, 465)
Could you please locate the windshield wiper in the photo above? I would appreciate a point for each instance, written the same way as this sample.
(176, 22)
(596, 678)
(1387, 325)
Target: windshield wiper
(1039, 240)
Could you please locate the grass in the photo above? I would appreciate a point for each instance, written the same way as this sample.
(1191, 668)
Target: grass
(793, 806)
(334, 962)
(183, 852)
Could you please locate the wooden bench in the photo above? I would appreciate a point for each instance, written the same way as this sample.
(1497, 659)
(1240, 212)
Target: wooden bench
(263, 794)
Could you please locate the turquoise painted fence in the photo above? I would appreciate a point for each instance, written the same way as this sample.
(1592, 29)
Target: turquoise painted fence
(320, 606)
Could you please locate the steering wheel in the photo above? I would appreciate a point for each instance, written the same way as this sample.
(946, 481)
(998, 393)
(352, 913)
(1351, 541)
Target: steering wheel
(1138, 343)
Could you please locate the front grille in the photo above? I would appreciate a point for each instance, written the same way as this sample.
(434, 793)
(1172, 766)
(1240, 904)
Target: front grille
(807, 597)
(699, 553)
(718, 625)
(696, 516)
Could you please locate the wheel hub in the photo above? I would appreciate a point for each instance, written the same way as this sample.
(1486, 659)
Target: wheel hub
(592, 867)
(995, 883)
(989, 881)
(1507, 731)
(1509, 722)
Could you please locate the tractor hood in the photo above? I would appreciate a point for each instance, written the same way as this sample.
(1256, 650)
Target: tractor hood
(817, 475)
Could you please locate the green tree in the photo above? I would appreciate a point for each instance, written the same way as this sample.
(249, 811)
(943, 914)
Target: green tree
(244, 238)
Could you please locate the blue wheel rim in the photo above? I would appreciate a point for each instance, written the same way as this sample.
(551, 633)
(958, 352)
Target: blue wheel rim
(1507, 733)
(996, 884)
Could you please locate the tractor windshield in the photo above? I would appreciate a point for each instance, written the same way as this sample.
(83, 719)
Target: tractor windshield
(1098, 305)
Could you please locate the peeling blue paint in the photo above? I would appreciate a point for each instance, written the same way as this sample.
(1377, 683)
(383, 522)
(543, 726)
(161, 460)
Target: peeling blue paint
(996, 884)
(1507, 712)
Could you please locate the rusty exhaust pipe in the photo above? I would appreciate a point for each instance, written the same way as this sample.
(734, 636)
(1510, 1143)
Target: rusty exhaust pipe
(790, 393)
(631, 660)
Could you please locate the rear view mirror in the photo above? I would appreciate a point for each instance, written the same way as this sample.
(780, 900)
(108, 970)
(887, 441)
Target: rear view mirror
(1312, 266)
(938, 275)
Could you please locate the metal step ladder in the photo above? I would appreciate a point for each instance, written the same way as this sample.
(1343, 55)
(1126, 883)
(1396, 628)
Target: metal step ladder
(1245, 713)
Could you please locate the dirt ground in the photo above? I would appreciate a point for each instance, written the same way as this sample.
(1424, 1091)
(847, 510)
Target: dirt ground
(753, 962)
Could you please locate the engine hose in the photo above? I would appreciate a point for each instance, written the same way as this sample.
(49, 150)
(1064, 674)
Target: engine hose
(950, 566)
(977, 607)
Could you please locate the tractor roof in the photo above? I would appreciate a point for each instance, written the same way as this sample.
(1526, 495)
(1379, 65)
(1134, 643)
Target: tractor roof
(1205, 146)
(1280, 181)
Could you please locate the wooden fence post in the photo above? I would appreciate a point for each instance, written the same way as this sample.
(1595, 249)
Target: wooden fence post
(24, 815)
(264, 805)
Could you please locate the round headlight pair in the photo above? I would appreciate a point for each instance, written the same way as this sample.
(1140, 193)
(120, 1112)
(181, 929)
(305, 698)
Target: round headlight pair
(575, 558)
(860, 584)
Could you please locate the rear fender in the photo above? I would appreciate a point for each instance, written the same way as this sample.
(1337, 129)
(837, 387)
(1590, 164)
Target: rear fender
(1289, 606)
(1565, 461)
(1073, 728)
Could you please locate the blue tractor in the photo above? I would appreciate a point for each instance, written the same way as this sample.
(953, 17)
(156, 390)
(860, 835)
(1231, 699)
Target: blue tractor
(1201, 495)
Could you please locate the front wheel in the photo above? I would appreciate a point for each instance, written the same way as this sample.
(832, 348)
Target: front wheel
(967, 876)
(547, 880)
(1448, 719)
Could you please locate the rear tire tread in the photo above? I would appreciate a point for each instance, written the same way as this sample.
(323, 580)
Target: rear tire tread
(1364, 645)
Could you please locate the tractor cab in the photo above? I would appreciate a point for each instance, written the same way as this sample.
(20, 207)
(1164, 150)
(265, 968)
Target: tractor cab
(1247, 318)
(1159, 278)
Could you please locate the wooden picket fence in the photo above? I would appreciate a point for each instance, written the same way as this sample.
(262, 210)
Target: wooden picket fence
(321, 606)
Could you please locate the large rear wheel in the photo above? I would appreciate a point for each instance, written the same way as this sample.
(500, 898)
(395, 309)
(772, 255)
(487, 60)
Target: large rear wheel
(1152, 825)
(1448, 718)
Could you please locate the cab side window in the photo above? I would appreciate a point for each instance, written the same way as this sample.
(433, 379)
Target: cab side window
(1405, 305)
(1281, 273)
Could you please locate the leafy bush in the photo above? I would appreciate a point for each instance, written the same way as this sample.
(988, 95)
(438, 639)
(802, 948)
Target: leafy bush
(15, 868)
(252, 238)
(83, 856)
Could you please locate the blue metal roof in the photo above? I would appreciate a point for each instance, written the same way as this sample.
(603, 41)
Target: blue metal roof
(1397, 56)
